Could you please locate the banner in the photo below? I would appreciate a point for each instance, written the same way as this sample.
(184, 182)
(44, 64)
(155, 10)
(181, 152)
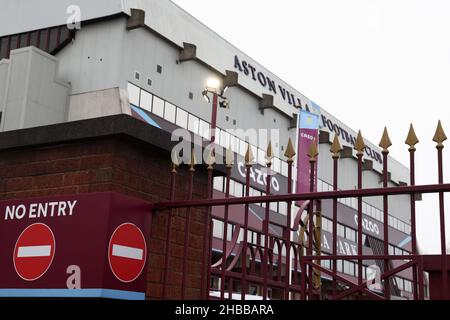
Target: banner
(308, 132)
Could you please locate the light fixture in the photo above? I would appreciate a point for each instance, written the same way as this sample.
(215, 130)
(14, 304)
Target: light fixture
(205, 95)
(225, 104)
(213, 84)
(225, 90)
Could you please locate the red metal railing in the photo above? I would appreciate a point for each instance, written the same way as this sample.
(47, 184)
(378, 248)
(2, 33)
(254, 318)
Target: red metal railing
(275, 260)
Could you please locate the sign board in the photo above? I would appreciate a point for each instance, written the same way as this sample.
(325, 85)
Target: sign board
(34, 252)
(81, 246)
(307, 134)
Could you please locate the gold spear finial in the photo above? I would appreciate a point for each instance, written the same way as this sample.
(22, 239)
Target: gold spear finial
(175, 162)
(360, 144)
(336, 147)
(412, 139)
(229, 157)
(385, 142)
(290, 151)
(211, 159)
(439, 136)
(269, 154)
(313, 153)
(249, 156)
(193, 161)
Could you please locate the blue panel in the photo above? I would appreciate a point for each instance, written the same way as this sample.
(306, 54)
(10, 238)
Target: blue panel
(308, 120)
(144, 116)
(77, 293)
(405, 241)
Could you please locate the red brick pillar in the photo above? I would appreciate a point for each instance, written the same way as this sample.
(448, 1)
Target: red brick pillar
(115, 164)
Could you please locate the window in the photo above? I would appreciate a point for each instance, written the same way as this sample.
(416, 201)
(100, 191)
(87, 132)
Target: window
(326, 264)
(149, 82)
(349, 268)
(341, 230)
(225, 139)
(364, 208)
(14, 44)
(390, 250)
(350, 234)
(261, 157)
(254, 150)
(340, 267)
(400, 283)
(234, 143)
(395, 224)
(204, 129)
(218, 183)
(274, 206)
(378, 215)
(134, 94)
(193, 123)
(230, 232)
(159, 69)
(53, 39)
(232, 187)
(182, 118)
(137, 75)
(284, 168)
(191, 96)
(43, 40)
(327, 225)
(170, 112)
(277, 165)
(242, 147)
(282, 207)
(408, 285)
(218, 229)
(238, 189)
(146, 101)
(24, 40)
(3, 47)
(158, 107)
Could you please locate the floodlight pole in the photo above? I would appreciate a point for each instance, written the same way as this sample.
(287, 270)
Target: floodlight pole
(214, 117)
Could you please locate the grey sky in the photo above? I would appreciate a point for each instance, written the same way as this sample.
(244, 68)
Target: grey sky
(371, 63)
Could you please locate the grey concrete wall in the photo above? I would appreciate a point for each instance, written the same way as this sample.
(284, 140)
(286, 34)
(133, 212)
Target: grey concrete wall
(98, 104)
(4, 66)
(34, 95)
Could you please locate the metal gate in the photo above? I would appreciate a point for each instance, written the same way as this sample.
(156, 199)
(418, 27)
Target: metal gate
(290, 262)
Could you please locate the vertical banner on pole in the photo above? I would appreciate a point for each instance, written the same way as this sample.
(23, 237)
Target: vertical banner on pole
(308, 132)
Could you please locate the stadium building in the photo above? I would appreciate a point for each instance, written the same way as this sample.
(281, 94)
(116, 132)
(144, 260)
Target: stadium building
(151, 60)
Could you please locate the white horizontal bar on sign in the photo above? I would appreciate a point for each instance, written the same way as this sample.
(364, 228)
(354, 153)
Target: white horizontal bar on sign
(127, 252)
(34, 251)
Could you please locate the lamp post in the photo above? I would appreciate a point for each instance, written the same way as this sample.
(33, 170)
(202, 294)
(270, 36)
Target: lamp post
(213, 86)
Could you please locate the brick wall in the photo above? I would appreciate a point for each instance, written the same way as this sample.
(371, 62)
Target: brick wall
(118, 165)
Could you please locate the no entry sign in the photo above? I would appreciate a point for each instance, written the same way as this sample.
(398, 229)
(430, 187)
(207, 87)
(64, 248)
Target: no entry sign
(34, 251)
(75, 246)
(127, 252)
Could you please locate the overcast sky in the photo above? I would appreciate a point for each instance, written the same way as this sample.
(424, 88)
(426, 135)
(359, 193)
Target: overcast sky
(371, 63)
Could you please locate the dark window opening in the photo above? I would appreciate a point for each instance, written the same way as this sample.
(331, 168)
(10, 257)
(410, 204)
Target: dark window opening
(159, 69)
(43, 40)
(14, 42)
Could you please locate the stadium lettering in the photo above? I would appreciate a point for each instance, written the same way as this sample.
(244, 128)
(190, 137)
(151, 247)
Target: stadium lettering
(259, 177)
(265, 81)
(345, 136)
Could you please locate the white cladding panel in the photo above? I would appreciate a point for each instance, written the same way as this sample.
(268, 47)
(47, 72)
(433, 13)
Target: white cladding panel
(17, 16)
